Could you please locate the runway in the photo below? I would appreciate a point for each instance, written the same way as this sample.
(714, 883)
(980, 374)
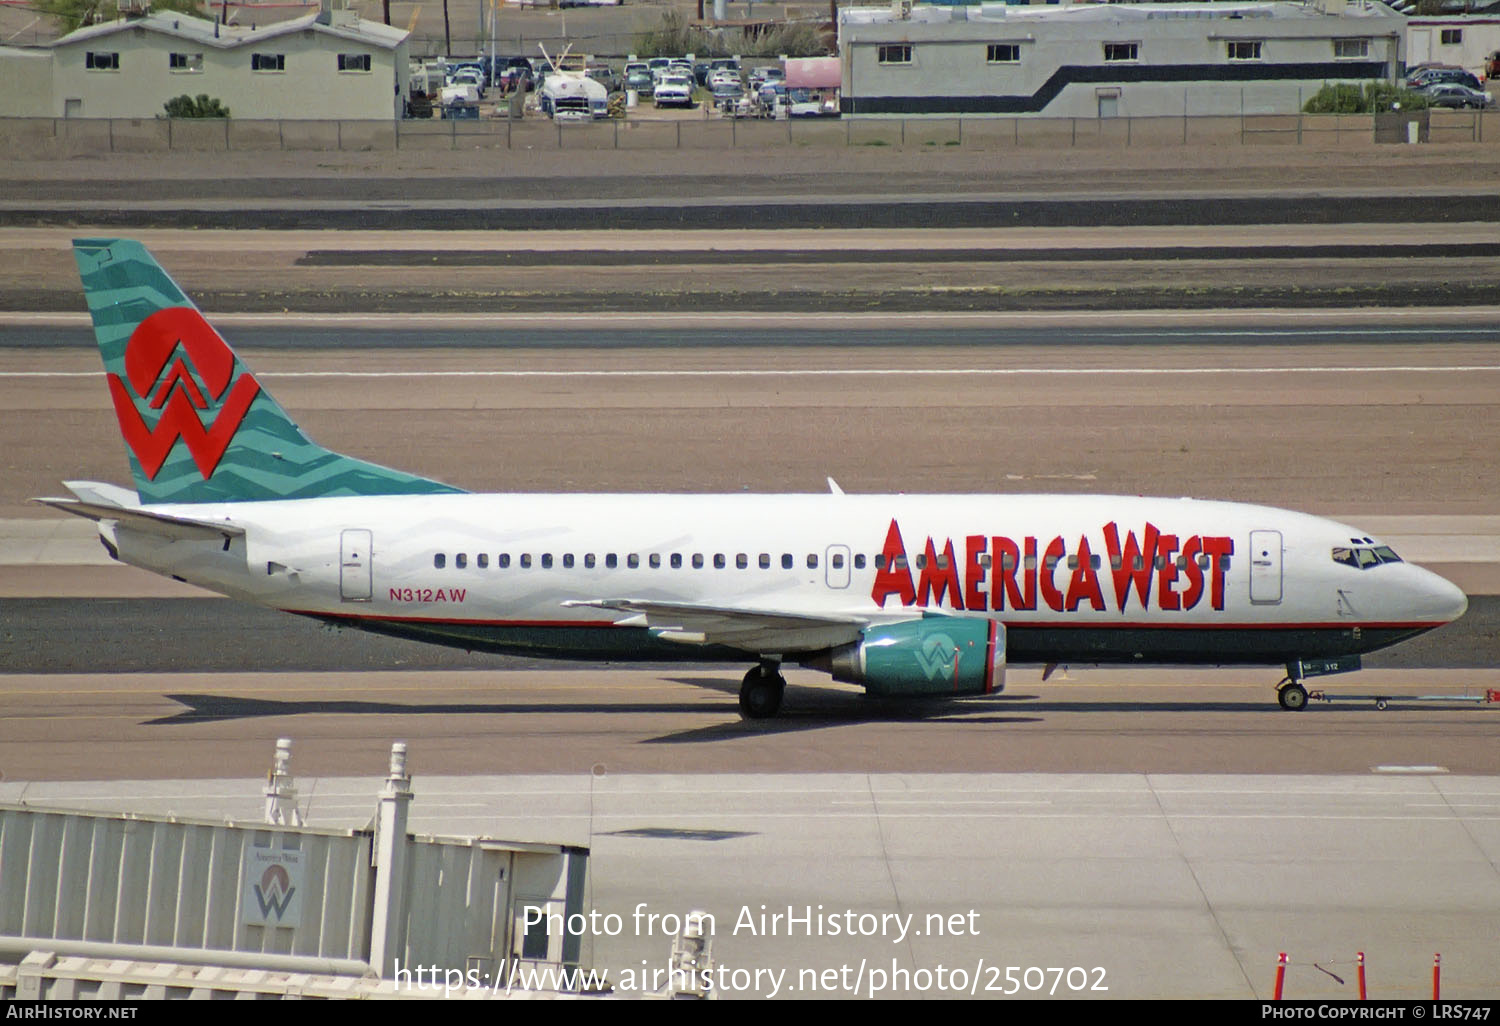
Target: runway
(1383, 429)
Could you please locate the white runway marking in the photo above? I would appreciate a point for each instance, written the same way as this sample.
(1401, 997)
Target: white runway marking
(832, 372)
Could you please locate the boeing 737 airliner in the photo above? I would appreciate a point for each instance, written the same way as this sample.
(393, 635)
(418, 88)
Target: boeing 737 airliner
(907, 595)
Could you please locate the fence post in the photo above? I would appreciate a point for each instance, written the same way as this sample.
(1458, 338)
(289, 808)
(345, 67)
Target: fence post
(338, 135)
(616, 123)
(960, 132)
(227, 147)
(679, 133)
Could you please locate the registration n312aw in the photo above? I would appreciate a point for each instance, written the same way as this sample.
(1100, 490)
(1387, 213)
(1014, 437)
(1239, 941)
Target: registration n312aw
(906, 595)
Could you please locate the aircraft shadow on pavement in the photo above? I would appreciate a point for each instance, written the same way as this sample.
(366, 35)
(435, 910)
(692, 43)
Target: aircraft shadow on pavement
(209, 708)
(815, 709)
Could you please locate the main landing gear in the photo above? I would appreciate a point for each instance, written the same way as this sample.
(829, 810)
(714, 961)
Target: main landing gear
(761, 691)
(1291, 694)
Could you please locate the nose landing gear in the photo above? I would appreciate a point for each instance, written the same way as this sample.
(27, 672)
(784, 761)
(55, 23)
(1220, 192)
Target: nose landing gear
(1291, 694)
(761, 692)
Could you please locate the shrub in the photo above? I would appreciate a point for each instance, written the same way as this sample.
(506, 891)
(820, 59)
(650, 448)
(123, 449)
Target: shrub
(204, 106)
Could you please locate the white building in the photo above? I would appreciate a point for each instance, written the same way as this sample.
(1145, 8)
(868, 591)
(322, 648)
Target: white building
(1467, 40)
(1104, 60)
(327, 65)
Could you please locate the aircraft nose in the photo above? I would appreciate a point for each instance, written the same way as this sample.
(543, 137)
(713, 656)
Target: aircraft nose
(1442, 599)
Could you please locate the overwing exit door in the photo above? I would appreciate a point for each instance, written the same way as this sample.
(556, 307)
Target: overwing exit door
(354, 565)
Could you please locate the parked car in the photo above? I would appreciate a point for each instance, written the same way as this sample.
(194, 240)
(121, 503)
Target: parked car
(1452, 94)
(1435, 76)
(638, 77)
(674, 91)
(605, 76)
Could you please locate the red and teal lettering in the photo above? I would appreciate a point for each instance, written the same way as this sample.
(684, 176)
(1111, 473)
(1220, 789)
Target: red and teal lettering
(1131, 565)
(939, 577)
(974, 547)
(1085, 582)
(892, 576)
(1056, 550)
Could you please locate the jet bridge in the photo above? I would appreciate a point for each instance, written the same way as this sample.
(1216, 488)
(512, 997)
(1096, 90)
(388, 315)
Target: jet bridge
(216, 908)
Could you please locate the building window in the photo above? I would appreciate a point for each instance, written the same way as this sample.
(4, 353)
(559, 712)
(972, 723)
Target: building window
(896, 53)
(1351, 48)
(185, 62)
(1003, 53)
(268, 62)
(95, 60)
(1122, 51)
(1452, 37)
(354, 62)
(1244, 49)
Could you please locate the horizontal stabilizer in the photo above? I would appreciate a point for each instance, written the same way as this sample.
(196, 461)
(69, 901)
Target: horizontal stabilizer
(176, 528)
(753, 630)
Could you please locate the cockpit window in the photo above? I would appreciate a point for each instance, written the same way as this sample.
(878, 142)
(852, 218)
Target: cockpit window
(1363, 557)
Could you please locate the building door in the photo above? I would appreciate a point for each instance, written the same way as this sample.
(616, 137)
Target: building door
(1265, 567)
(354, 565)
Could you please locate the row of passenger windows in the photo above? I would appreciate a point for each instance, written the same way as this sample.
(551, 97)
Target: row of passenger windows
(633, 561)
(676, 560)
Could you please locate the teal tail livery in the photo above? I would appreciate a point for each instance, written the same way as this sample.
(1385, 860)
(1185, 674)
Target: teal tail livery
(907, 596)
(198, 425)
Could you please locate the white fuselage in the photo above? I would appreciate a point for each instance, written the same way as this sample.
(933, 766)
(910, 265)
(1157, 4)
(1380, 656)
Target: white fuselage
(1071, 577)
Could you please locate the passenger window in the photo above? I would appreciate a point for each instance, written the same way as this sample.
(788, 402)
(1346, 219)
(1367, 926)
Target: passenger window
(921, 561)
(676, 561)
(899, 563)
(859, 561)
(503, 562)
(655, 560)
(546, 561)
(588, 561)
(697, 561)
(718, 560)
(741, 561)
(879, 561)
(812, 561)
(1224, 561)
(765, 561)
(568, 560)
(438, 561)
(633, 561)
(525, 561)
(942, 562)
(611, 561)
(1007, 561)
(1073, 562)
(786, 561)
(837, 561)
(484, 560)
(461, 561)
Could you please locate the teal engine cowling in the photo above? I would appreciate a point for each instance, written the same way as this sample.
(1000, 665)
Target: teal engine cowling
(936, 655)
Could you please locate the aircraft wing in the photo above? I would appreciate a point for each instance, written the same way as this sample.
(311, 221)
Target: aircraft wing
(754, 630)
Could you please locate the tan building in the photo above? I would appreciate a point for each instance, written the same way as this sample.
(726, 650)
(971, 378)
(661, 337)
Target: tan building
(327, 65)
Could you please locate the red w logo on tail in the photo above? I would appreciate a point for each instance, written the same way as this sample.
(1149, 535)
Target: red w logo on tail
(176, 391)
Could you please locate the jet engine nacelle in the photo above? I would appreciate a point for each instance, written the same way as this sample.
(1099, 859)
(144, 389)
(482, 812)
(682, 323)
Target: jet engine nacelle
(936, 655)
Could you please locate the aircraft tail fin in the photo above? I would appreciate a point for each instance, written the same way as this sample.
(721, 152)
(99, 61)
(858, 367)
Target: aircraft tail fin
(198, 425)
